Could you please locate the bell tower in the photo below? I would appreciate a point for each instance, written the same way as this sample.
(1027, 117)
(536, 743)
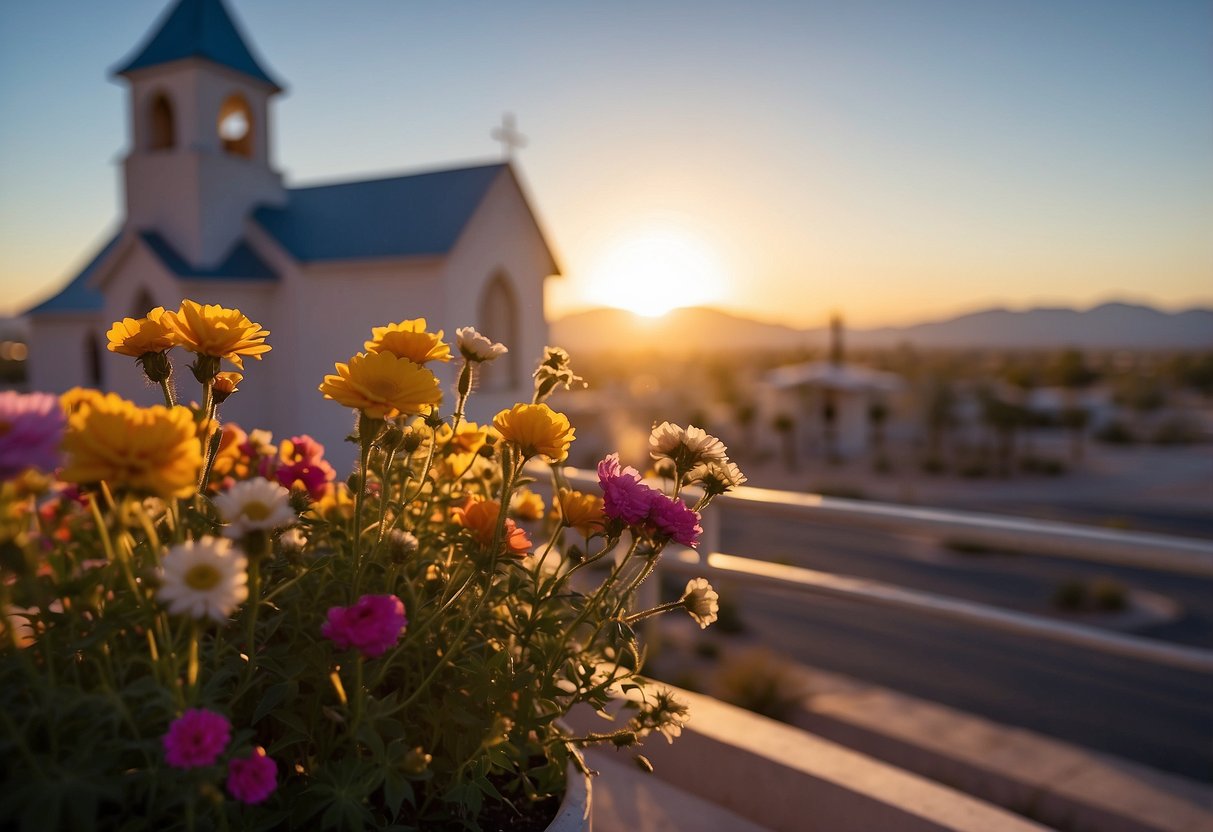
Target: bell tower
(199, 159)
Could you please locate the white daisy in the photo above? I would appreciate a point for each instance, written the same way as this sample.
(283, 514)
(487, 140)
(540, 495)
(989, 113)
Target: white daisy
(255, 505)
(686, 447)
(701, 601)
(292, 541)
(716, 476)
(475, 347)
(206, 578)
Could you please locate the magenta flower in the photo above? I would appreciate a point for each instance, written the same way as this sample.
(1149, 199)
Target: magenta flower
(624, 496)
(196, 738)
(373, 625)
(672, 517)
(303, 462)
(31, 427)
(253, 778)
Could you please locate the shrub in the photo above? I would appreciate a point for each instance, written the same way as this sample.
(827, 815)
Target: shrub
(759, 681)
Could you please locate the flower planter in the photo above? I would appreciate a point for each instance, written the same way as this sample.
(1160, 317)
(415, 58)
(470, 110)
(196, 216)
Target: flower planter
(574, 812)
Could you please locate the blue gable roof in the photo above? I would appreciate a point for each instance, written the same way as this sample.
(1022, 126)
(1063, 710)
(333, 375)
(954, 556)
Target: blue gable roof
(404, 216)
(199, 29)
(77, 296)
(242, 263)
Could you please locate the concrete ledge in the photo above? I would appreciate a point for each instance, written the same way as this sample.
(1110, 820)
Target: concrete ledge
(628, 800)
(788, 780)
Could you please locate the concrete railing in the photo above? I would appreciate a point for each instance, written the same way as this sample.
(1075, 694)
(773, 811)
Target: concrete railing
(1024, 536)
(1148, 551)
(778, 778)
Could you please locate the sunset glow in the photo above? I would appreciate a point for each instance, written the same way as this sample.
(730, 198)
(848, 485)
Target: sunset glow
(651, 270)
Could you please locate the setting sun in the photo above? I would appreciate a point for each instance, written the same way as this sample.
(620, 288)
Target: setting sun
(652, 270)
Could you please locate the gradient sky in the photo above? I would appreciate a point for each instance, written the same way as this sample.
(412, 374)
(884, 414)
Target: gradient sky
(896, 159)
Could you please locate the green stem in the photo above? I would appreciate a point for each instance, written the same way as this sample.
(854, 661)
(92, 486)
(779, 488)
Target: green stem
(250, 632)
(359, 697)
(657, 610)
(166, 387)
(365, 437)
(456, 644)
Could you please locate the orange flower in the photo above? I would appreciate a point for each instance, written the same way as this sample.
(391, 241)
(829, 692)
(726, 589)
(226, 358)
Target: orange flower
(382, 385)
(536, 429)
(226, 385)
(409, 339)
(480, 518)
(137, 337)
(230, 459)
(216, 331)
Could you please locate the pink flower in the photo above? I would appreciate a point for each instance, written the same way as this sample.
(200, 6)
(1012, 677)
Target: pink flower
(253, 778)
(302, 461)
(624, 496)
(196, 738)
(672, 517)
(31, 427)
(373, 625)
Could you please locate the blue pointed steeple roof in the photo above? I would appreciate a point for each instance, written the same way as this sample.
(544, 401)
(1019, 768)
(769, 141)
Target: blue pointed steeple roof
(198, 29)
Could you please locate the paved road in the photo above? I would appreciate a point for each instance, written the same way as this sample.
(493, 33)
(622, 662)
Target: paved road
(1152, 714)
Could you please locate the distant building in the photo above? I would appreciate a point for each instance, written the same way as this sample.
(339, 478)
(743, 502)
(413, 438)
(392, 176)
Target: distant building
(833, 408)
(209, 218)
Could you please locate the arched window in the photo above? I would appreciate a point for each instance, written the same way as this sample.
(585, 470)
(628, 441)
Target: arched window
(144, 303)
(162, 129)
(236, 126)
(498, 321)
(93, 354)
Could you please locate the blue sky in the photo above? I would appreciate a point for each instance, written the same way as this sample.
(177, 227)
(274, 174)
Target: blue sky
(897, 160)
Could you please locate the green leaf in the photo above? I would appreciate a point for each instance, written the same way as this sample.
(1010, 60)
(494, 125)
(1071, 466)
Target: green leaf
(273, 697)
(396, 791)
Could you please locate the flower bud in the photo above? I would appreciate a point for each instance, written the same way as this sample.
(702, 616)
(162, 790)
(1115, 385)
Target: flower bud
(624, 739)
(225, 385)
(401, 544)
(416, 761)
(411, 440)
(156, 366)
(205, 368)
(391, 436)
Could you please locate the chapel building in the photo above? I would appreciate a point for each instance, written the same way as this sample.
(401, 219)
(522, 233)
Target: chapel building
(208, 217)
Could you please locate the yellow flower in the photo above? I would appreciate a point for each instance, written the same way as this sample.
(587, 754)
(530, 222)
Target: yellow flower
(582, 512)
(336, 506)
(526, 504)
(137, 337)
(149, 450)
(468, 438)
(408, 339)
(536, 429)
(216, 331)
(382, 385)
(78, 398)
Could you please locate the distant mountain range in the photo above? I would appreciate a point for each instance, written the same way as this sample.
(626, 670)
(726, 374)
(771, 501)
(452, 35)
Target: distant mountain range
(700, 329)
